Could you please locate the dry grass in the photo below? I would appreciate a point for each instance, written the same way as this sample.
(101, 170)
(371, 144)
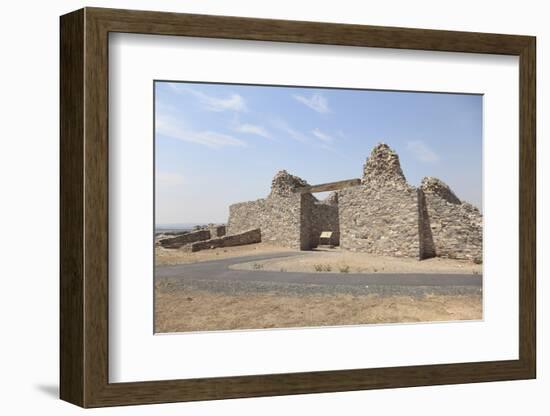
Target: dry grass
(182, 310)
(349, 262)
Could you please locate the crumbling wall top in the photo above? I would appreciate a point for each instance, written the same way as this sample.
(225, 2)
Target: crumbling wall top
(432, 185)
(284, 184)
(383, 168)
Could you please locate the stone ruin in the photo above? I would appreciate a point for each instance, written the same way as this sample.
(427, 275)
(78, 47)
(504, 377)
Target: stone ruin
(208, 237)
(287, 218)
(381, 214)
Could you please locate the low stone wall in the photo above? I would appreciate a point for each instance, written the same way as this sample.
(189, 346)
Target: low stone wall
(247, 237)
(188, 238)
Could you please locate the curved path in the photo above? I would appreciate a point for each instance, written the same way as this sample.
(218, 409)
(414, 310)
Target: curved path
(218, 270)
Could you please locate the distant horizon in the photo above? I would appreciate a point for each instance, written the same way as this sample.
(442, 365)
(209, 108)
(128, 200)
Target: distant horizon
(219, 144)
(181, 225)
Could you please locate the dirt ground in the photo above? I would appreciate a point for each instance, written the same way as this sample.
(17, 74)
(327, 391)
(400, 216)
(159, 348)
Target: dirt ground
(182, 310)
(176, 256)
(336, 261)
(320, 260)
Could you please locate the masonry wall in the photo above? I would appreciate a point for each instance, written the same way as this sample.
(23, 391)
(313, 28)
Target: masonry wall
(325, 218)
(426, 241)
(294, 221)
(383, 215)
(188, 238)
(456, 228)
(278, 217)
(379, 220)
(307, 225)
(217, 230)
(248, 237)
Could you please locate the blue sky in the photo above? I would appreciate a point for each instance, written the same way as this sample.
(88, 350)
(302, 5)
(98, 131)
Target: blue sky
(217, 144)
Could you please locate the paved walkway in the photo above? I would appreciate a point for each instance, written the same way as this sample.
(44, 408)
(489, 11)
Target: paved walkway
(218, 270)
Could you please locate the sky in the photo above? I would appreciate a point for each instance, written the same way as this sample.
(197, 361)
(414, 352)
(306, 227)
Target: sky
(218, 144)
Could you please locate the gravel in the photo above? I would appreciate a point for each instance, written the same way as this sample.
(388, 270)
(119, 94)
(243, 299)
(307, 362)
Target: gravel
(237, 287)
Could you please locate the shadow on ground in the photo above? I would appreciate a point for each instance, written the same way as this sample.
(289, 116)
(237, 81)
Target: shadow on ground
(51, 390)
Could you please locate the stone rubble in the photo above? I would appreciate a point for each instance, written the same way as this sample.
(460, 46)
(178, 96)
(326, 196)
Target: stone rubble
(247, 237)
(184, 239)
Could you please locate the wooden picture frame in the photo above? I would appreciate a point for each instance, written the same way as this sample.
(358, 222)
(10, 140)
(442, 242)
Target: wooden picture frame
(84, 207)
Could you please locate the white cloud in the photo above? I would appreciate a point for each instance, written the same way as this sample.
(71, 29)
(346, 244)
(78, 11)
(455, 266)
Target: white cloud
(322, 136)
(316, 102)
(170, 127)
(232, 103)
(316, 135)
(421, 151)
(169, 179)
(252, 129)
(288, 130)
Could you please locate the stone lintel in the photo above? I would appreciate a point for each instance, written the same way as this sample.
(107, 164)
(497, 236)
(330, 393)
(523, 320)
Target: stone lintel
(331, 186)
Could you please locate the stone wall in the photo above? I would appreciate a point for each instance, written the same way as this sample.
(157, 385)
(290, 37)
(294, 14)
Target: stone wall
(279, 216)
(247, 237)
(381, 215)
(188, 238)
(245, 216)
(379, 220)
(306, 226)
(385, 215)
(295, 222)
(456, 227)
(426, 241)
(324, 217)
(216, 230)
